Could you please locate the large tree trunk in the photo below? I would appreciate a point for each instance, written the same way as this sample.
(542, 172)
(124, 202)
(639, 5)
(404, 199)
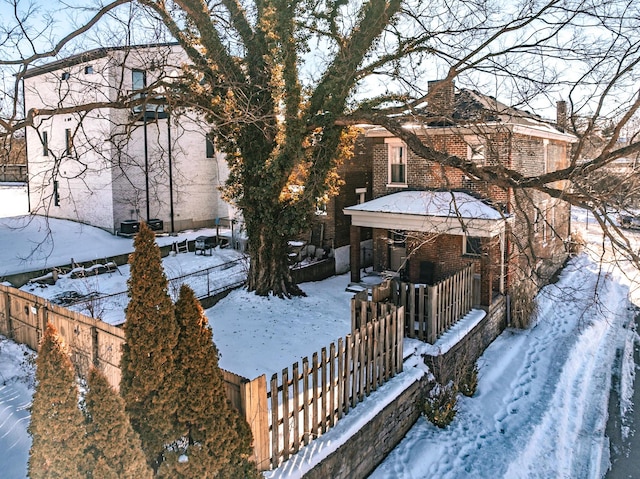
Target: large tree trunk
(269, 269)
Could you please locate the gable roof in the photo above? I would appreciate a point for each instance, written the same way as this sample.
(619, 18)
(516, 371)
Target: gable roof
(87, 57)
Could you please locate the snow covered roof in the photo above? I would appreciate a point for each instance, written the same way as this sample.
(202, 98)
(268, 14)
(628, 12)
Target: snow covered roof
(448, 212)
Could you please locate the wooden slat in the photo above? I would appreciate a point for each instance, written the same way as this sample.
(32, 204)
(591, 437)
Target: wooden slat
(275, 437)
(341, 378)
(285, 414)
(315, 398)
(355, 381)
(323, 383)
(305, 401)
(295, 407)
(333, 385)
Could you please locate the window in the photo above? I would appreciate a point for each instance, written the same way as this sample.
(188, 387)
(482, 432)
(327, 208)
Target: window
(56, 196)
(68, 142)
(321, 206)
(398, 238)
(66, 75)
(211, 149)
(397, 163)
(88, 70)
(472, 246)
(476, 153)
(138, 82)
(138, 79)
(45, 143)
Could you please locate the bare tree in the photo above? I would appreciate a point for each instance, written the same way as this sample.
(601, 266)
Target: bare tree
(281, 83)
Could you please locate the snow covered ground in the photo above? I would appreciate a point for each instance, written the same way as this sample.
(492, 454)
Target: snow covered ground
(541, 404)
(13, 199)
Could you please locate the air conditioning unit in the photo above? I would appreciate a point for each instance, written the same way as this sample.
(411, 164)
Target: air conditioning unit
(129, 227)
(156, 224)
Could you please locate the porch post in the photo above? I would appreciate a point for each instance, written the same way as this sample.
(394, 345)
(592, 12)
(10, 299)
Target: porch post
(354, 253)
(502, 269)
(486, 275)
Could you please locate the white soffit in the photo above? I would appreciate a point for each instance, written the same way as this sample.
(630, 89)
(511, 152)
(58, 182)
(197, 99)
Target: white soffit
(439, 212)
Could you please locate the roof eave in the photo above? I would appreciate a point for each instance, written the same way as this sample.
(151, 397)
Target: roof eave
(452, 225)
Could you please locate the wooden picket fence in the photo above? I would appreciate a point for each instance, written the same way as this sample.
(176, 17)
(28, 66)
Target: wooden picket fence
(308, 399)
(429, 310)
(91, 342)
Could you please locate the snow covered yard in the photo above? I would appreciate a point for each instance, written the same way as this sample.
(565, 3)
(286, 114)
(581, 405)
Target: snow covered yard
(17, 376)
(541, 405)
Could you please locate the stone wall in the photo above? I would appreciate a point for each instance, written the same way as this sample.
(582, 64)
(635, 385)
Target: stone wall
(467, 351)
(366, 449)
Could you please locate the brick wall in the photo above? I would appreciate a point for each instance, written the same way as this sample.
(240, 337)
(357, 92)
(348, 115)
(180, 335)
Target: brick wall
(355, 172)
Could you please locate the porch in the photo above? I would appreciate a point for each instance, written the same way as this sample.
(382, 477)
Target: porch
(429, 310)
(426, 237)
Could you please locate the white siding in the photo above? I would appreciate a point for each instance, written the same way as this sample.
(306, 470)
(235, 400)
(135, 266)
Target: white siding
(103, 182)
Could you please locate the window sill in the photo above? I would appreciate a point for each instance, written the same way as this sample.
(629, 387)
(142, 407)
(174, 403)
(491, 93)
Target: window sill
(397, 185)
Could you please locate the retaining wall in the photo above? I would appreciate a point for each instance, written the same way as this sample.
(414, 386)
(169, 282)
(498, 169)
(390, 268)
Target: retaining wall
(364, 451)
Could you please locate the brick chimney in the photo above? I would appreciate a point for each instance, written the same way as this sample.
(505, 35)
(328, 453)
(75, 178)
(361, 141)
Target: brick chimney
(440, 98)
(561, 114)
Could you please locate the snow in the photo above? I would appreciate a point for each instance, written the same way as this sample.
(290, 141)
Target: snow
(430, 203)
(38, 243)
(542, 399)
(13, 199)
(16, 389)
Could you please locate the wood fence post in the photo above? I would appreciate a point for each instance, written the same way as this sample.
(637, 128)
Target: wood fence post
(431, 315)
(254, 398)
(6, 311)
(400, 338)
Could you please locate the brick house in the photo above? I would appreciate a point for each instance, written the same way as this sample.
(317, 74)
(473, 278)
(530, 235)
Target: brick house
(429, 221)
(331, 226)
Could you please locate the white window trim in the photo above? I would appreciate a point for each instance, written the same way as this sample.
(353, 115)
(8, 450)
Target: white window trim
(478, 159)
(464, 247)
(394, 143)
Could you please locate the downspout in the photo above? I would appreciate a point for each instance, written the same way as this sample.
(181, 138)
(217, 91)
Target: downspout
(146, 162)
(26, 148)
(170, 172)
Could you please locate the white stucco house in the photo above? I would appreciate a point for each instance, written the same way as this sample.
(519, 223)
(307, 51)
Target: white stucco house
(108, 166)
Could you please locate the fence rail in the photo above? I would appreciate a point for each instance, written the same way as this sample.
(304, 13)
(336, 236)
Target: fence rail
(13, 173)
(429, 310)
(308, 399)
(205, 283)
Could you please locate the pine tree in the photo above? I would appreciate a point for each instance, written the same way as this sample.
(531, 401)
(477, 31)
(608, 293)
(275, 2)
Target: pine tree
(57, 425)
(218, 440)
(148, 381)
(112, 443)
